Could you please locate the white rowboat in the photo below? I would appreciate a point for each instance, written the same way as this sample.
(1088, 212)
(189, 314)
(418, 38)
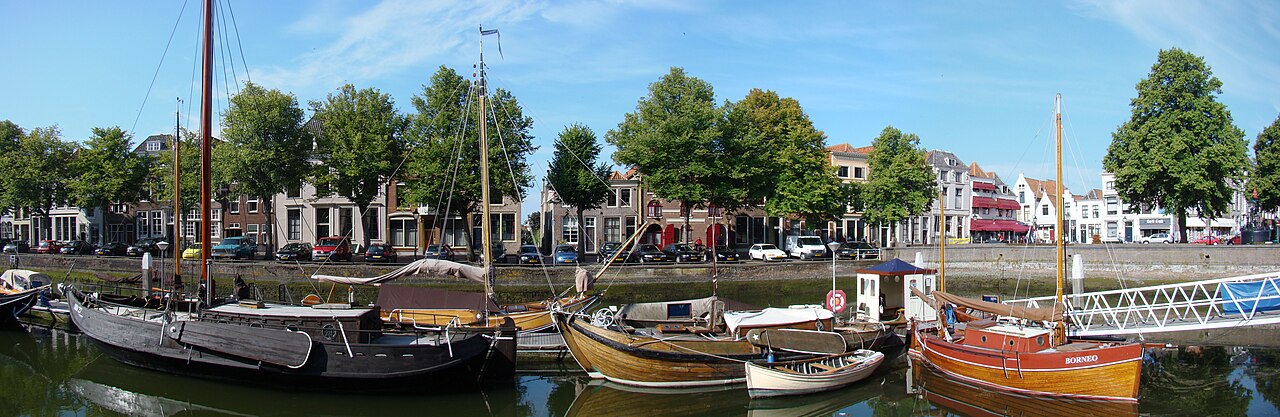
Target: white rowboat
(806, 376)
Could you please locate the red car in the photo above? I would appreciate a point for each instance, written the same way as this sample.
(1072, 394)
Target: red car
(1209, 240)
(49, 246)
(337, 248)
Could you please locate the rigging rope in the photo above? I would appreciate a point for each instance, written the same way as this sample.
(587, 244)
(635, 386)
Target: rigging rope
(158, 66)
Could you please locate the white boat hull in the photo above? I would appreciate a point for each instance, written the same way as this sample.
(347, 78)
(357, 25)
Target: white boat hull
(802, 377)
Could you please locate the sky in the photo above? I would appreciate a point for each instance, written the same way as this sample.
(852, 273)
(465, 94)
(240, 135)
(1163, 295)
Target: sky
(976, 78)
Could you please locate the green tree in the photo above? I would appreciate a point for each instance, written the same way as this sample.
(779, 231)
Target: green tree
(107, 170)
(10, 137)
(359, 145)
(673, 139)
(36, 172)
(900, 184)
(161, 175)
(1179, 150)
(781, 159)
(574, 174)
(266, 147)
(1265, 178)
(443, 168)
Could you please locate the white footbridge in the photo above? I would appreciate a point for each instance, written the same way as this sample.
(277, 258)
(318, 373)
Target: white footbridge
(1250, 300)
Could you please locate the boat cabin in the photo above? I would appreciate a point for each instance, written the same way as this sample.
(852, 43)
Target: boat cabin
(986, 333)
(884, 292)
(321, 321)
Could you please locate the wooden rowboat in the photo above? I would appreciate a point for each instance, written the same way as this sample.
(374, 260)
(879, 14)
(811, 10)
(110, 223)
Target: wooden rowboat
(810, 375)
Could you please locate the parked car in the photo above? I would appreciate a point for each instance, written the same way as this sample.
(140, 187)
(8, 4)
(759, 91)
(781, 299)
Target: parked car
(49, 246)
(239, 247)
(806, 247)
(76, 247)
(683, 252)
(766, 252)
(498, 250)
(1158, 238)
(565, 254)
(1209, 240)
(111, 249)
(647, 253)
(142, 246)
(380, 252)
(529, 255)
(337, 248)
(726, 254)
(1233, 240)
(857, 250)
(442, 252)
(297, 251)
(192, 251)
(612, 249)
(17, 246)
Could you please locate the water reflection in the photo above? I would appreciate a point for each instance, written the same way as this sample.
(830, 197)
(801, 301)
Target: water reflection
(53, 373)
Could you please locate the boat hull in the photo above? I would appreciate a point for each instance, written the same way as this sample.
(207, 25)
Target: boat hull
(1103, 373)
(536, 318)
(328, 366)
(791, 378)
(13, 304)
(648, 362)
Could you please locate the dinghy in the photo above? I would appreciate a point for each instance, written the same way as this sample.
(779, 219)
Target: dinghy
(823, 373)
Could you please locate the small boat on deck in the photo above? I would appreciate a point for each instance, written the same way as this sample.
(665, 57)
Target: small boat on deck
(805, 376)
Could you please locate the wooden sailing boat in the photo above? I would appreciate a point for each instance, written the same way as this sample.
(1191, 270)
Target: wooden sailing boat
(328, 346)
(807, 376)
(1030, 355)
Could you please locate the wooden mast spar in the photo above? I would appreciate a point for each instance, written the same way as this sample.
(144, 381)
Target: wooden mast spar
(485, 228)
(206, 128)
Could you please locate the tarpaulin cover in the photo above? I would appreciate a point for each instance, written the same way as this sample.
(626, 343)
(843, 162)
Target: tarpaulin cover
(392, 297)
(430, 267)
(1037, 314)
(770, 317)
(1248, 297)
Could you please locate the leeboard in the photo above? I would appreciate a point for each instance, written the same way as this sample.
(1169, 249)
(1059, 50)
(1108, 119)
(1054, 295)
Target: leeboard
(799, 341)
(275, 346)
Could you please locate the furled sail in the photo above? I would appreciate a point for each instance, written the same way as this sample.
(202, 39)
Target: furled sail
(1055, 313)
(430, 267)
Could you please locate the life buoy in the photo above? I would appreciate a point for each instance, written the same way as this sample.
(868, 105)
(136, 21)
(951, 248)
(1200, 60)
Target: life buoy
(835, 301)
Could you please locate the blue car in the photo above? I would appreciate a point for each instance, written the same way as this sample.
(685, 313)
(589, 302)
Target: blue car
(238, 247)
(566, 254)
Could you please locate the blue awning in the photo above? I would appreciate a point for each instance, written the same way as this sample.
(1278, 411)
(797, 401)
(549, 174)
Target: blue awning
(896, 266)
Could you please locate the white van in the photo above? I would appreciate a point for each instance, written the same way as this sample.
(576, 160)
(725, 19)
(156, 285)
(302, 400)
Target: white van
(806, 247)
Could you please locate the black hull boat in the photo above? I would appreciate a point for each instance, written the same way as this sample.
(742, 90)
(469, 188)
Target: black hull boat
(19, 290)
(298, 347)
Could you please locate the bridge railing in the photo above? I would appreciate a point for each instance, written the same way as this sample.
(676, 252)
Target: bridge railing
(1189, 305)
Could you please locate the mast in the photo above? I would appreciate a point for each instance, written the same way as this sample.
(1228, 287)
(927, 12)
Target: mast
(1057, 227)
(942, 243)
(177, 195)
(206, 128)
(485, 239)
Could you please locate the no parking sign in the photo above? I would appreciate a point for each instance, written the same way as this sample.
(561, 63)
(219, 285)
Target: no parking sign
(835, 301)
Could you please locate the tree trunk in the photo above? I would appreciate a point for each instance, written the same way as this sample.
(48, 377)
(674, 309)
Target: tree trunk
(1182, 226)
(364, 228)
(687, 211)
(582, 240)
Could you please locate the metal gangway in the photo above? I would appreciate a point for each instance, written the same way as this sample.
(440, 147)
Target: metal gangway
(1249, 300)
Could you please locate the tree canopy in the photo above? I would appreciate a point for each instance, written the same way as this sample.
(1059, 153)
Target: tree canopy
(10, 137)
(267, 145)
(1265, 178)
(443, 168)
(575, 175)
(780, 158)
(189, 162)
(673, 139)
(900, 183)
(106, 170)
(359, 145)
(36, 172)
(1179, 150)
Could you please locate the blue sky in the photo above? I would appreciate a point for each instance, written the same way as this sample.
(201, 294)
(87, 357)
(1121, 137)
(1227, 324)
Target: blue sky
(974, 78)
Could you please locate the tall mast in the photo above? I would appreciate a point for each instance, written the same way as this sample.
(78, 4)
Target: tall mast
(206, 129)
(1057, 227)
(177, 195)
(942, 243)
(485, 228)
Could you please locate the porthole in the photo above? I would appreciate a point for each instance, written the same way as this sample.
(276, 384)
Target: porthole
(1010, 343)
(984, 338)
(291, 327)
(1040, 340)
(329, 331)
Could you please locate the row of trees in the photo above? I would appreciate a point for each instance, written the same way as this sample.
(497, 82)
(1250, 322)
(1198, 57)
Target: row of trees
(1180, 150)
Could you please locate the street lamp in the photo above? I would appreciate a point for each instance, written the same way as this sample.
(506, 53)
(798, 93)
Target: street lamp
(162, 245)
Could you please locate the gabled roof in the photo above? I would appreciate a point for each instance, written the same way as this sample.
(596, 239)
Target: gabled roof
(630, 174)
(939, 158)
(847, 148)
(895, 266)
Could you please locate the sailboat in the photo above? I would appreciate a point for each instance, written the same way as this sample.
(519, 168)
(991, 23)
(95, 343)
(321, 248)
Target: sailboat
(324, 346)
(1026, 350)
(432, 307)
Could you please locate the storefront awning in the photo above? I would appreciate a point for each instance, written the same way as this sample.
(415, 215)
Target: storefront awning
(984, 202)
(979, 185)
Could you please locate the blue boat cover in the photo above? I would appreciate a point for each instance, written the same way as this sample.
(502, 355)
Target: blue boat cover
(896, 266)
(1241, 297)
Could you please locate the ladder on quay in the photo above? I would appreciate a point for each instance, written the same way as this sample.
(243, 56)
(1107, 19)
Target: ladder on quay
(1250, 300)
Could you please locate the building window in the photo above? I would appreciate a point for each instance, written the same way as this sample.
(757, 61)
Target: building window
(370, 224)
(843, 172)
(588, 234)
(569, 229)
(142, 224)
(1111, 185)
(233, 206)
(404, 232)
(346, 223)
(629, 228)
(1113, 206)
(1111, 229)
(1044, 209)
(624, 197)
(859, 172)
(153, 146)
(253, 205)
(1022, 197)
(251, 230)
(322, 222)
(215, 215)
(294, 192)
(508, 227)
(957, 175)
(294, 224)
(613, 198)
(612, 229)
(942, 176)
(157, 223)
(959, 198)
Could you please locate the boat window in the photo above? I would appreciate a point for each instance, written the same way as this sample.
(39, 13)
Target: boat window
(679, 310)
(1040, 340)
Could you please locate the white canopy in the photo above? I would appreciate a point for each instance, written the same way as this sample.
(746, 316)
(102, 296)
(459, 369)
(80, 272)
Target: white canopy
(20, 279)
(774, 317)
(430, 267)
